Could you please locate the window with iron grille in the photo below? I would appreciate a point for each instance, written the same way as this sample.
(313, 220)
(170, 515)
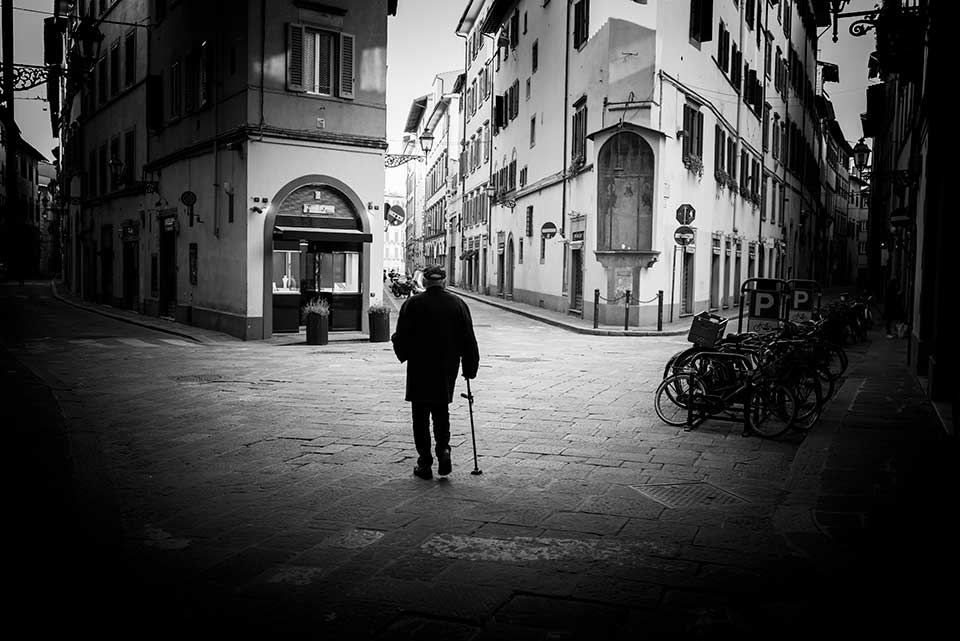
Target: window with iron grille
(529, 228)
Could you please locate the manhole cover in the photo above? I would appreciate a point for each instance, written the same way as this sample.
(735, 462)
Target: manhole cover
(676, 495)
(198, 378)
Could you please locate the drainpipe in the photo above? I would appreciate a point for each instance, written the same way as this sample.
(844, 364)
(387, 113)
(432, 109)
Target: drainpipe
(263, 44)
(463, 133)
(566, 103)
(736, 201)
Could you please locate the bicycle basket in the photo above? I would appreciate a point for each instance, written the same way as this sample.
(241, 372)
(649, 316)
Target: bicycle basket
(707, 329)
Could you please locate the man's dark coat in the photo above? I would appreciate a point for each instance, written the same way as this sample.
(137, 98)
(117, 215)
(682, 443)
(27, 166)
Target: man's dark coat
(434, 332)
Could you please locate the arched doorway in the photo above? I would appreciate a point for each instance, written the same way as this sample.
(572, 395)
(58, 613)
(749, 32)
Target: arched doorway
(316, 245)
(508, 270)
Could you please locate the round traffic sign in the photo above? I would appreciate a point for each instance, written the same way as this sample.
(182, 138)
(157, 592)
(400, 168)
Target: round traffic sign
(188, 198)
(684, 235)
(549, 230)
(685, 214)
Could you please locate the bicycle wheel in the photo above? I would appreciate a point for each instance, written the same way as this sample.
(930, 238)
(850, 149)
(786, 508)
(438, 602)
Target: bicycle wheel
(678, 361)
(674, 396)
(827, 381)
(806, 386)
(832, 357)
(771, 409)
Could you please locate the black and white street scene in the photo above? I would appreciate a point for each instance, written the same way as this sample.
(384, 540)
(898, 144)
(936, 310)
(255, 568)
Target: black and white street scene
(477, 320)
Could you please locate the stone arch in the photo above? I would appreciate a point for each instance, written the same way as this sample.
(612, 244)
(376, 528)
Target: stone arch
(349, 196)
(625, 184)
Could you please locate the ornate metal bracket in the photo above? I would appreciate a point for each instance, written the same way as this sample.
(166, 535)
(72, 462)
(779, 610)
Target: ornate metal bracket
(29, 76)
(395, 160)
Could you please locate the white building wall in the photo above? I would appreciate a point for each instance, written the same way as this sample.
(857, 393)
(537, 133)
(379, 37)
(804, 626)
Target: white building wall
(273, 164)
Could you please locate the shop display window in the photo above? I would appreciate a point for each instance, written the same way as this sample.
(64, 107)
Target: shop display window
(286, 271)
(340, 272)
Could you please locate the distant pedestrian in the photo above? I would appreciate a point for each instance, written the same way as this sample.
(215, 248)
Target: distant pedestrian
(892, 308)
(434, 336)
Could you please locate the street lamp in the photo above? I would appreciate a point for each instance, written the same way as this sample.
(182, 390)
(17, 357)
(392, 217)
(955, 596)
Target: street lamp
(861, 153)
(426, 142)
(117, 172)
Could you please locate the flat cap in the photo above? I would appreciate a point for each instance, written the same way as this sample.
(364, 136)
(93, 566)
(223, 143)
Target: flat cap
(434, 273)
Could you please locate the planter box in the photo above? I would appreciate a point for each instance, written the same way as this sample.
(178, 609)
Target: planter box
(379, 328)
(317, 329)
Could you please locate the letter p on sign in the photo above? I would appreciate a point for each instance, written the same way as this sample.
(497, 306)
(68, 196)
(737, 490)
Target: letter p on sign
(764, 305)
(802, 299)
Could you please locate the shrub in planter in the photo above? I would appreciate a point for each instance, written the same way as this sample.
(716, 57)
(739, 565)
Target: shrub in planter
(317, 313)
(379, 316)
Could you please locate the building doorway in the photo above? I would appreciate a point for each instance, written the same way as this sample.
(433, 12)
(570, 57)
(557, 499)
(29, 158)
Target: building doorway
(106, 264)
(508, 271)
(131, 274)
(686, 283)
(168, 267)
(576, 280)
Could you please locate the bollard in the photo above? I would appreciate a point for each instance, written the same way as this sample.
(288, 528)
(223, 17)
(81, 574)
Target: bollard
(626, 312)
(659, 310)
(596, 307)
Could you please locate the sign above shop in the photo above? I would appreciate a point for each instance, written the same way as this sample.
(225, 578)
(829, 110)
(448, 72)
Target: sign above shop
(685, 214)
(548, 230)
(317, 208)
(577, 235)
(684, 235)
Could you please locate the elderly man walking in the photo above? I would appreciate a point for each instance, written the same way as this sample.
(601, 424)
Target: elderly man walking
(434, 336)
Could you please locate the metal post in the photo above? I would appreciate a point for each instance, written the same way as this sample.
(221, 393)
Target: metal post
(659, 310)
(596, 307)
(626, 312)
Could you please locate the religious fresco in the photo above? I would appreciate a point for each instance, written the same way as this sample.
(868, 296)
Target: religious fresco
(625, 198)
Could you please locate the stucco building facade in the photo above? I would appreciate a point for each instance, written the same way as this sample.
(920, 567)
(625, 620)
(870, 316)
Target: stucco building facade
(227, 166)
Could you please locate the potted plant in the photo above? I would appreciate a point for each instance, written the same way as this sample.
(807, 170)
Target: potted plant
(379, 316)
(317, 313)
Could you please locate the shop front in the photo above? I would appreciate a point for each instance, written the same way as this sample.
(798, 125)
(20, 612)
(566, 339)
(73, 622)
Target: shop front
(320, 249)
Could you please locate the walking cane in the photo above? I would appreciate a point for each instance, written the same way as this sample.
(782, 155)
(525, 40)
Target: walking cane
(473, 436)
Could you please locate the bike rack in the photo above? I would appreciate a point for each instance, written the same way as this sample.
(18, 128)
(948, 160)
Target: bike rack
(776, 287)
(801, 285)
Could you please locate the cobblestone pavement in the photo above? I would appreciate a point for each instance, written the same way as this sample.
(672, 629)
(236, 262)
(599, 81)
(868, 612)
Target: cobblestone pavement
(265, 488)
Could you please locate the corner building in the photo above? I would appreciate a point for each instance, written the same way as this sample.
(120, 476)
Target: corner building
(226, 164)
(606, 117)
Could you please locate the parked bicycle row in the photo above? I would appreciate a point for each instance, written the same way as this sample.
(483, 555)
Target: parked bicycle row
(773, 376)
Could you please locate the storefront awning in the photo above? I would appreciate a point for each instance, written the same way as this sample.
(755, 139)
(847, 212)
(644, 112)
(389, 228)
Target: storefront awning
(327, 235)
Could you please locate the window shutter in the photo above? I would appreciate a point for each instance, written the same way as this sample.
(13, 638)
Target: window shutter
(295, 57)
(686, 130)
(346, 65)
(706, 18)
(699, 149)
(498, 119)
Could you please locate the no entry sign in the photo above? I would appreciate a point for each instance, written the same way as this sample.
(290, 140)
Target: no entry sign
(684, 235)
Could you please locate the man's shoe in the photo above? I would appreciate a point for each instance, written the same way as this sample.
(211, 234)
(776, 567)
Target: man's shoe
(423, 472)
(444, 467)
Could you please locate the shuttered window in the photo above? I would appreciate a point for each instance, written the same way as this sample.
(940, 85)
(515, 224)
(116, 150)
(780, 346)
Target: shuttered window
(320, 62)
(701, 20)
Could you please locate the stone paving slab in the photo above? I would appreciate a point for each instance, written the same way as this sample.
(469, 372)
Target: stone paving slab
(272, 491)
